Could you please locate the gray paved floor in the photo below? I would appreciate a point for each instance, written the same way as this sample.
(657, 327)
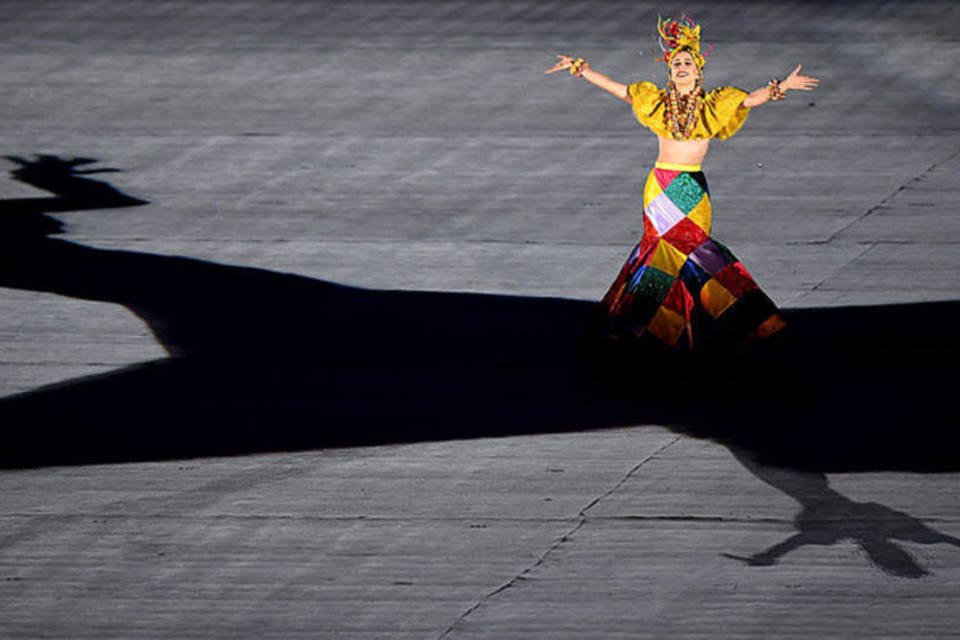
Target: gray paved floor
(418, 146)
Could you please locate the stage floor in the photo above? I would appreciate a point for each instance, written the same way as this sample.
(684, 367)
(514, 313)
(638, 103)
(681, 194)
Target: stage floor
(391, 204)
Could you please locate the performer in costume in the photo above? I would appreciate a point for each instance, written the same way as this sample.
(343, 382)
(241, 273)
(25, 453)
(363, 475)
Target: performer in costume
(680, 286)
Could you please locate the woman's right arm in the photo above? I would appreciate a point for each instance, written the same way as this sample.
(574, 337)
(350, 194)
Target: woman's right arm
(593, 77)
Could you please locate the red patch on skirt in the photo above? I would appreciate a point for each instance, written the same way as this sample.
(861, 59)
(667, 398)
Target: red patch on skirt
(685, 236)
(665, 177)
(650, 236)
(678, 298)
(735, 279)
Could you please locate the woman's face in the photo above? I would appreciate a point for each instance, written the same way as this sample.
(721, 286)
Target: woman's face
(683, 70)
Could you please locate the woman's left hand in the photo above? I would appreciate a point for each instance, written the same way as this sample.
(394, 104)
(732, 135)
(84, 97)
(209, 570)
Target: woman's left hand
(563, 62)
(797, 81)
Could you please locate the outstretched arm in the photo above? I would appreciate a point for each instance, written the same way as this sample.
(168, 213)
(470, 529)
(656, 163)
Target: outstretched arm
(593, 77)
(793, 81)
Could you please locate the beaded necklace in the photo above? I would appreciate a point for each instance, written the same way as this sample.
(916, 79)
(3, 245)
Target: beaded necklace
(682, 112)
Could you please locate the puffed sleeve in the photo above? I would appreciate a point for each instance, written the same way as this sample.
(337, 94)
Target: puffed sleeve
(648, 106)
(723, 111)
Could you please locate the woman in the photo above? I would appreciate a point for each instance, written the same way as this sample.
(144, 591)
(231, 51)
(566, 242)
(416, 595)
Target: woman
(680, 286)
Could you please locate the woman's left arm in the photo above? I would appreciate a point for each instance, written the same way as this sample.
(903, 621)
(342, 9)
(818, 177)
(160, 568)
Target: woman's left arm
(770, 92)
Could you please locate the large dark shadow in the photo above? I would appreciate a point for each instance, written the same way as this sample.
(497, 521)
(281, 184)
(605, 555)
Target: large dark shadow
(265, 361)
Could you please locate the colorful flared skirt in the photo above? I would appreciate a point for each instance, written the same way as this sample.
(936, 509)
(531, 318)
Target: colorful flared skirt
(679, 286)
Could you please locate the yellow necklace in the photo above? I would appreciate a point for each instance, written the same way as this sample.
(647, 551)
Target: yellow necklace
(682, 112)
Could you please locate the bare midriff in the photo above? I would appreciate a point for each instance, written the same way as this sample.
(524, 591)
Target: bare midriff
(683, 151)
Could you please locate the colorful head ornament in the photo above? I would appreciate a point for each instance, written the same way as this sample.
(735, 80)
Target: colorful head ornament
(678, 35)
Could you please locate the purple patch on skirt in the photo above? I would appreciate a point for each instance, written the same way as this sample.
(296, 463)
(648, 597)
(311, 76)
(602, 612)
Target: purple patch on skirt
(663, 214)
(710, 257)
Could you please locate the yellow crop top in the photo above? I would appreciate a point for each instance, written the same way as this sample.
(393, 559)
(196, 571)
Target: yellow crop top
(721, 115)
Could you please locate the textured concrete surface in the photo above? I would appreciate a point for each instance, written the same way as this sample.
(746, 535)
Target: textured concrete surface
(418, 146)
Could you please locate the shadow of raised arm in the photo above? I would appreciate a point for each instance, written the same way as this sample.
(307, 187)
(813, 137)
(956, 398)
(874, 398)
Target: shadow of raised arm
(71, 189)
(26, 219)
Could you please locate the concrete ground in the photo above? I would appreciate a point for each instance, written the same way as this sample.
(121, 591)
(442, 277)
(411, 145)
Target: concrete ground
(205, 435)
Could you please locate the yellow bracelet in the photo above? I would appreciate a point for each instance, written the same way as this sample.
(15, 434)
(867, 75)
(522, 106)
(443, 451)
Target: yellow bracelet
(776, 93)
(576, 67)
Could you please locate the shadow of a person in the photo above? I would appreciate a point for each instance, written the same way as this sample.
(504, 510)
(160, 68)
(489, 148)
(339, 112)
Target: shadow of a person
(262, 360)
(828, 518)
(266, 361)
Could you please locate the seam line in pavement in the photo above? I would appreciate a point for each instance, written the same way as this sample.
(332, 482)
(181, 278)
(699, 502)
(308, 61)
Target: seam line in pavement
(323, 240)
(918, 178)
(55, 517)
(101, 517)
(824, 280)
(581, 520)
(595, 501)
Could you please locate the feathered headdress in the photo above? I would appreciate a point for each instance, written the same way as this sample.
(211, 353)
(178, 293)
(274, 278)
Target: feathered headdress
(682, 34)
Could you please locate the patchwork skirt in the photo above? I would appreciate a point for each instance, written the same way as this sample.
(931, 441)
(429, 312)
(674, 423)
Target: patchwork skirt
(681, 287)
